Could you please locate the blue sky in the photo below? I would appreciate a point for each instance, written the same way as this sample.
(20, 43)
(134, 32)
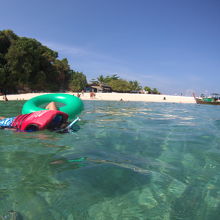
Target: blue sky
(173, 45)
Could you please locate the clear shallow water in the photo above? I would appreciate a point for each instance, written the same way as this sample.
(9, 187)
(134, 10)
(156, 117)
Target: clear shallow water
(127, 160)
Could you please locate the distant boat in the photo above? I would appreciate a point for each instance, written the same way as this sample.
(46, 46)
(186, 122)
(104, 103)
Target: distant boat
(214, 99)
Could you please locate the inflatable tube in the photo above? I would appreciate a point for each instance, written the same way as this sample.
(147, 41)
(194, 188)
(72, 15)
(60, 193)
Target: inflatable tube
(73, 105)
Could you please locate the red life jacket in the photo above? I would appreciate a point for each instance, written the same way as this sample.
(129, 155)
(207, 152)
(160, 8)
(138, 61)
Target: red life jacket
(40, 119)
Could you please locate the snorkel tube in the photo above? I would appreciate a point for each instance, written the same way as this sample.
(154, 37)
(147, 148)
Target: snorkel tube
(69, 129)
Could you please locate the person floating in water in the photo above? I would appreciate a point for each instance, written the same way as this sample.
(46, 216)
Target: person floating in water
(50, 119)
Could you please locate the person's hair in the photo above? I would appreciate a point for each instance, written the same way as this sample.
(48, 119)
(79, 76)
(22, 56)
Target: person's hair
(61, 126)
(56, 123)
(32, 127)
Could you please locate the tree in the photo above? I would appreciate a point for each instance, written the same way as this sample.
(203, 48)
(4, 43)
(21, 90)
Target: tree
(26, 64)
(104, 80)
(148, 89)
(151, 91)
(6, 39)
(63, 72)
(2, 77)
(77, 82)
(101, 79)
(155, 91)
(7, 83)
(119, 85)
(134, 85)
(108, 79)
(35, 67)
(23, 61)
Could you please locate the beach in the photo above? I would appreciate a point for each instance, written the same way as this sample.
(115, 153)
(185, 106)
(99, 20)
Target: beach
(113, 97)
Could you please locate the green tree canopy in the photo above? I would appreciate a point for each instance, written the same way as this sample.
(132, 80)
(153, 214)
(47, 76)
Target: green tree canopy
(104, 80)
(77, 82)
(119, 85)
(155, 91)
(27, 64)
(151, 91)
(6, 39)
(134, 86)
(147, 89)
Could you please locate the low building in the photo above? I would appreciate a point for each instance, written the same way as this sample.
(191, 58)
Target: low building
(98, 88)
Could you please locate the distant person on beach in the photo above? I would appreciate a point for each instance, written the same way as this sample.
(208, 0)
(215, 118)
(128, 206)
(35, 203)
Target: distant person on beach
(4, 94)
(92, 94)
(50, 119)
(4, 97)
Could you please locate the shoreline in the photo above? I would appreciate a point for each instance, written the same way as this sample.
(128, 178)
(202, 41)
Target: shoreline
(112, 97)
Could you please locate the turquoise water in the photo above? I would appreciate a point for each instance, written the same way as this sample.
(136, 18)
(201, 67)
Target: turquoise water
(126, 160)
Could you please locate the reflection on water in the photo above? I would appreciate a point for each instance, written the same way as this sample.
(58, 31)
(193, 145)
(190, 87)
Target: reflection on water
(127, 161)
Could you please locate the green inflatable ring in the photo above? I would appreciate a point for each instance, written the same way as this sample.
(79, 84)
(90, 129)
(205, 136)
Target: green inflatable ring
(73, 105)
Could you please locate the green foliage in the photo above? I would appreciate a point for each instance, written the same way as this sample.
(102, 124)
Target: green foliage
(151, 91)
(119, 85)
(2, 76)
(134, 86)
(101, 79)
(113, 77)
(6, 38)
(155, 91)
(62, 72)
(104, 80)
(148, 89)
(27, 65)
(77, 81)
(23, 60)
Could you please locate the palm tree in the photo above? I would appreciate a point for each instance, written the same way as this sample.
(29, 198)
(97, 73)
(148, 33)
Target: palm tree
(101, 79)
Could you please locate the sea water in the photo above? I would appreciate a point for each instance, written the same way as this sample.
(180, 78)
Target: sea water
(125, 160)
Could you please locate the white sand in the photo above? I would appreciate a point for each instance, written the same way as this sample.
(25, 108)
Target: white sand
(114, 97)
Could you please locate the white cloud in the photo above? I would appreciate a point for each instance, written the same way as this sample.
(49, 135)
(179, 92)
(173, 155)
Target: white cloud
(66, 49)
(93, 63)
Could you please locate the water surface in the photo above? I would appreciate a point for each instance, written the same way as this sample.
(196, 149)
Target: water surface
(126, 160)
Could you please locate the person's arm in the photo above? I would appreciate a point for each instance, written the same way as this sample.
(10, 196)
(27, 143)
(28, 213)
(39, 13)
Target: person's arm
(51, 106)
(1, 118)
